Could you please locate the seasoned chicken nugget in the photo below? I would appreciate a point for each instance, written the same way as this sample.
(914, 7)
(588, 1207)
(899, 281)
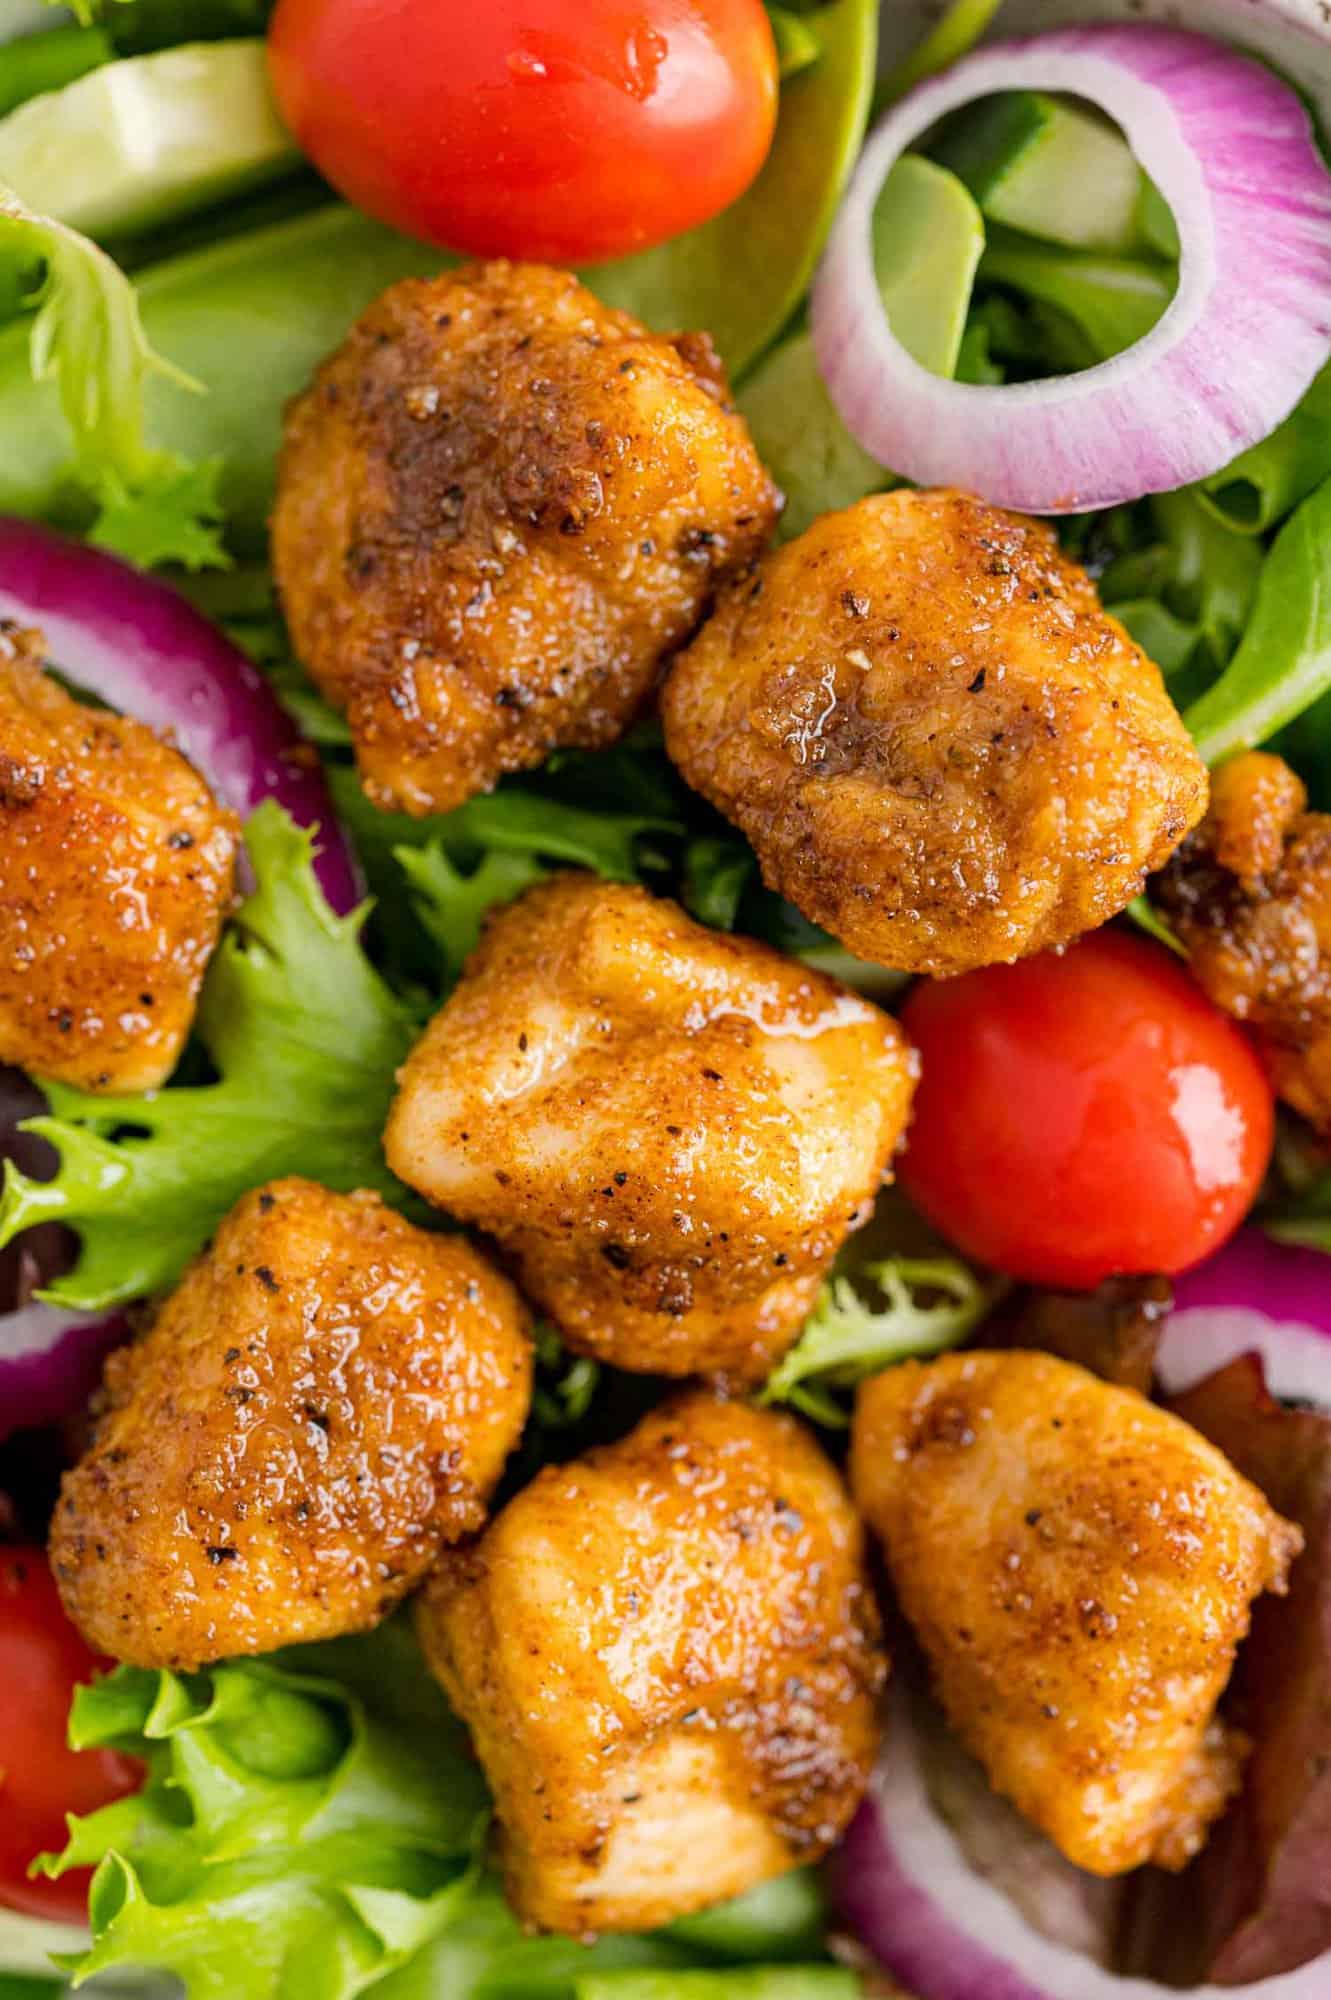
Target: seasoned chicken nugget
(670, 1131)
(117, 866)
(1079, 1566)
(325, 1401)
(667, 1653)
(500, 505)
(940, 746)
(1249, 895)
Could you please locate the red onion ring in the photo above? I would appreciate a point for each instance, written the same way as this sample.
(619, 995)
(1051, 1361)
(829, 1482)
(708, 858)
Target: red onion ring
(945, 1931)
(1253, 1297)
(1232, 150)
(51, 1361)
(138, 646)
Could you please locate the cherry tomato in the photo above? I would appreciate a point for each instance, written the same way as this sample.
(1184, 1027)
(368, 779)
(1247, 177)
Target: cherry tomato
(1084, 1115)
(565, 131)
(42, 1659)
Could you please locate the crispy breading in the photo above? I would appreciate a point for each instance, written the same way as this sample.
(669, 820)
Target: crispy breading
(1079, 1566)
(1249, 895)
(667, 1652)
(670, 1131)
(326, 1400)
(500, 505)
(117, 867)
(941, 747)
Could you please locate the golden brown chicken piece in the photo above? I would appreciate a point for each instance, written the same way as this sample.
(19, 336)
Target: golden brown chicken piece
(1079, 1567)
(671, 1132)
(940, 746)
(499, 507)
(117, 867)
(326, 1400)
(667, 1653)
(1250, 896)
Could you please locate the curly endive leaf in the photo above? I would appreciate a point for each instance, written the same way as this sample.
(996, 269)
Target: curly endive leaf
(88, 339)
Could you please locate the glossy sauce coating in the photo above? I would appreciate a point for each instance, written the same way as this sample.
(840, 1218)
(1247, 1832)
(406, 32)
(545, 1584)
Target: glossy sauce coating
(1079, 1567)
(670, 1131)
(327, 1399)
(117, 867)
(667, 1653)
(941, 747)
(1250, 896)
(500, 505)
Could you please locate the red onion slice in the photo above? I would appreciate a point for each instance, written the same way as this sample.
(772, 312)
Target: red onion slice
(947, 1933)
(1232, 150)
(1253, 1297)
(50, 1362)
(140, 647)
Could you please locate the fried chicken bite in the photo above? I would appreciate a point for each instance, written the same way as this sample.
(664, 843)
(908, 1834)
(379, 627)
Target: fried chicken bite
(667, 1653)
(325, 1402)
(1079, 1566)
(670, 1131)
(942, 749)
(117, 867)
(1249, 895)
(500, 505)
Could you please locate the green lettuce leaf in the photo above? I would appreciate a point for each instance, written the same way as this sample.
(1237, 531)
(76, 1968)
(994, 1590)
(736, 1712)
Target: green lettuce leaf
(434, 879)
(88, 339)
(928, 1304)
(485, 1955)
(1183, 582)
(491, 849)
(1265, 482)
(305, 1038)
(297, 1837)
(1112, 302)
(1283, 663)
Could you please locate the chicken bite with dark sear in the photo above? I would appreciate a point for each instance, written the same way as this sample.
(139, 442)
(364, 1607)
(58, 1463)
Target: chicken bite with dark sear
(500, 505)
(117, 867)
(670, 1131)
(1079, 1567)
(667, 1653)
(325, 1401)
(1249, 895)
(941, 747)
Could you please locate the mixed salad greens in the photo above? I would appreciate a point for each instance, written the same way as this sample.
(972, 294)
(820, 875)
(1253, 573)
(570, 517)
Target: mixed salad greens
(171, 271)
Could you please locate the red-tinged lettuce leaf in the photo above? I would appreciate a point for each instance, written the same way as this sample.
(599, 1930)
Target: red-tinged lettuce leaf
(1114, 1330)
(1264, 1880)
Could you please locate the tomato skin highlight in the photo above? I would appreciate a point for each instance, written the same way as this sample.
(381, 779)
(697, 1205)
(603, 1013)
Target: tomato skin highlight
(551, 130)
(42, 1659)
(1084, 1115)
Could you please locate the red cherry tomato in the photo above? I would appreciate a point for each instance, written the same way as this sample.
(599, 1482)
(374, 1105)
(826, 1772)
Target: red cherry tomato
(1084, 1115)
(42, 1659)
(559, 130)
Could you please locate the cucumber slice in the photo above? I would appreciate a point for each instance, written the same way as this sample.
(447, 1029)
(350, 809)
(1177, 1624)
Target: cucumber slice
(928, 239)
(148, 138)
(1043, 165)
